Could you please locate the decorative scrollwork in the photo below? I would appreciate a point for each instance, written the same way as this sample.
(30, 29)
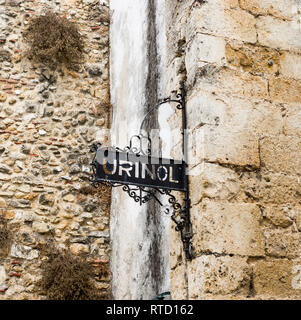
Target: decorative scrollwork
(180, 101)
(138, 149)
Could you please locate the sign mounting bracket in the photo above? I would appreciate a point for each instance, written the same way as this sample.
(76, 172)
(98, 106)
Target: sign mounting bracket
(144, 177)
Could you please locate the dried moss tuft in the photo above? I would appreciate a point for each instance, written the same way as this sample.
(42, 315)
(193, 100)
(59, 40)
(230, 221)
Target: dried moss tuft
(67, 277)
(54, 40)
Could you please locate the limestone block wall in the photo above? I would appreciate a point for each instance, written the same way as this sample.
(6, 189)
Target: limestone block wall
(48, 120)
(241, 62)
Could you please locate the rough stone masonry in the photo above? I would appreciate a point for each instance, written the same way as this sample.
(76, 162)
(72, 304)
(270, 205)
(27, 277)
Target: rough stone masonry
(241, 60)
(47, 122)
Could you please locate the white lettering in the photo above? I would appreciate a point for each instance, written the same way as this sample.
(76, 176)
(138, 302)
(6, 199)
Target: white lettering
(171, 175)
(127, 170)
(152, 173)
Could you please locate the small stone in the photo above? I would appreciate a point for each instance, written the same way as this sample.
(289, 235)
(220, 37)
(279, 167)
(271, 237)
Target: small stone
(82, 119)
(67, 124)
(9, 111)
(24, 252)
(3, 276)
(46, 199)
(74, 123)
(67, 178)
(2, 203)
(78, 248)
(99, 234)
(12, 101)
(24, 188)
(40, 227)
(42, 132)
(83, 240)
(69, 198)
(9, 215)
(100, 122)
(31, 109)
(26, 148)
(22, 203)
(95, 70)
(57, 170)
(73, 74)
(74, 169)
(49, 111)
(3, 96)
(4, 177)
(28, 217)
(4, 169)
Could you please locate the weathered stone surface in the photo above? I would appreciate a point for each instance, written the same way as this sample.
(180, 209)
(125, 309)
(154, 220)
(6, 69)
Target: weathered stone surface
(224, 147)
(242, 115)
(178, 283)
(281, 154)
(253, 58)
(283, 243)
(204, 49)
(231, 83)
(292, 120)
(45, 116)
(40, 227)
(277, 33)
(46, 199)
(243, 111)
(227, 228)
(3, 275)
(78, 248)
(218, 276)
(280, 9)
(298, 219)
(281, 216)
(175, 252)
(2, 203)
(290, 65)
(24, 252)
(22, 203)
(99, 234)
(232, 23)
(69, 198)
(213, 182)
(275, 188)
(275, 279)
(285, 90)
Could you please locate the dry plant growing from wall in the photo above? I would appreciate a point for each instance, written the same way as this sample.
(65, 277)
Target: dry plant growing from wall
(68, 277)
(5, 237)
(54, 40)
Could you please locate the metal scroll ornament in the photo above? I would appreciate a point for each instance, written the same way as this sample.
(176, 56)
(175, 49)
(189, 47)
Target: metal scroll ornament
(164, 177)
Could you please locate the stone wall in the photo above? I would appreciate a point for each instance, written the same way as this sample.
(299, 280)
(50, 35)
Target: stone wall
(241, 61)
(48, 120)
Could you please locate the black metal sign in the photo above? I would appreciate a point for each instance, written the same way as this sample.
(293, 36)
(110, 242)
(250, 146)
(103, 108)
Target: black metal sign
(144, 177)
(139, 170)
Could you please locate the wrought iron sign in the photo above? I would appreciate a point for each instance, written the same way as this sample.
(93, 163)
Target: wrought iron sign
(144, 177)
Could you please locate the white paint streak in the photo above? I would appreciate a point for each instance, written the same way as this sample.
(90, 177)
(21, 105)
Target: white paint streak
(131, 234)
